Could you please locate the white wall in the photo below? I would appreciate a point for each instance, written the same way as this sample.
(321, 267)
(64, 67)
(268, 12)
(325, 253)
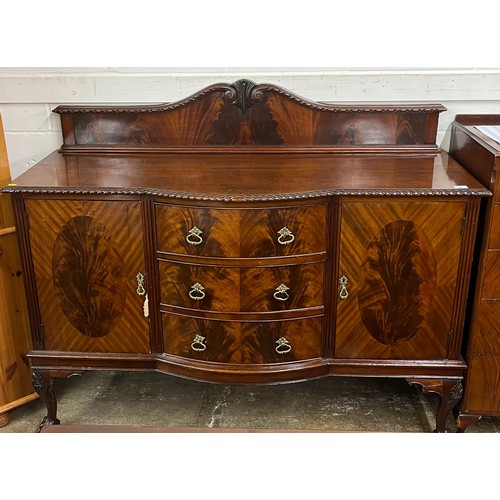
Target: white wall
(27, 95)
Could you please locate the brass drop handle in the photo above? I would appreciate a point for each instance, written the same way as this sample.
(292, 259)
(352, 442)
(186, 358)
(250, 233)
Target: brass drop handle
(285, 236)
(141, 291)
(193, 237)
(196, 292)
(140, 284)
(281, 293)
(283, 346)
(198, 343)
(343, 287)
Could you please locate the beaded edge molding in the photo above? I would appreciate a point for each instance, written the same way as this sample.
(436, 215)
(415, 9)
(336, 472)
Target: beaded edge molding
(250, 198)
(244, 93)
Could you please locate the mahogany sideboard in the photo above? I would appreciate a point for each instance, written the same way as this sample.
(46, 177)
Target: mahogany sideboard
(249, 235)
(480, 155)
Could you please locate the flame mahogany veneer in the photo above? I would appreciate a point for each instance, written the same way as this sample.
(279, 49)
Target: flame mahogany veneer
(248, 235)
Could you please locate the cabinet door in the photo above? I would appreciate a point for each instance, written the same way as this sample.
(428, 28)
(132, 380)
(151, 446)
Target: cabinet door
(399, 263)
(86, 256)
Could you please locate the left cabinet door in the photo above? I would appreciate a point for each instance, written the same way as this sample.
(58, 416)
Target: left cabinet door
(86, 258)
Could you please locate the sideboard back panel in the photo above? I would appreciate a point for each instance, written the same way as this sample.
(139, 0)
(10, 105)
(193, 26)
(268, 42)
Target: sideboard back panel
(249, 115)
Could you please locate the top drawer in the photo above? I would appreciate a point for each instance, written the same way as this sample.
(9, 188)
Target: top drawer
(243, 232)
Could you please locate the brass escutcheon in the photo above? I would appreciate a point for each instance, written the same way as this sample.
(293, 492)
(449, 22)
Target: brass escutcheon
(343, 287)
(140, 284)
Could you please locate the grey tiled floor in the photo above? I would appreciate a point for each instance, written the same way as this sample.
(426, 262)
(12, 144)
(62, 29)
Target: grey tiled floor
(334, 404)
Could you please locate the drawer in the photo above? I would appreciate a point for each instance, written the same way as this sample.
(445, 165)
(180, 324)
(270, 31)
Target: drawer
(483, 385)
(495, 228)
(240, 289)
(246, 233)
(242, 342)
(486, 333)
(491, 283)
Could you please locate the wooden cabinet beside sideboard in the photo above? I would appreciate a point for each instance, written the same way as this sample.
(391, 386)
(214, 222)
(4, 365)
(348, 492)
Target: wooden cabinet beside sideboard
(480, 154)
(15, 339)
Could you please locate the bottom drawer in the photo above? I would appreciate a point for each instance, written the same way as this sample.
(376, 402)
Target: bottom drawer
(491, 283)
(483, 385)
(242, 342)
(486, 329)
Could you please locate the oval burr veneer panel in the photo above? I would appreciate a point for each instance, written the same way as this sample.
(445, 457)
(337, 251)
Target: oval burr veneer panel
(397, 282)
(88, 276)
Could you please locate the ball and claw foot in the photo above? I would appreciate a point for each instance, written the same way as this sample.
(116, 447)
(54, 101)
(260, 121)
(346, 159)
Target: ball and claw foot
(47, 421)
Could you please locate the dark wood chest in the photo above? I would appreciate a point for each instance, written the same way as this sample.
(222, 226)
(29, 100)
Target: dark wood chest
(480, 155)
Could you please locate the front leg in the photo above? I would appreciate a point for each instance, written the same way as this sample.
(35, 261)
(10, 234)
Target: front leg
(450, 390)
(42, 383)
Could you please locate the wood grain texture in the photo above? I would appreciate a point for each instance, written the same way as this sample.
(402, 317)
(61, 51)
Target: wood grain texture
(491, 282)
(408, 277)
(397, 281)
(88, 276)
(221, 286)
(243, 161)
(486, 338)
(235, 289)
(240, 342)
(473, 155)
(15, 341)
(495, 228)
(4, 419)
(246, 233)
(250, 177)
(481, 156)
(76, 313)
(6, 217)
(482, 393)
(246, 114)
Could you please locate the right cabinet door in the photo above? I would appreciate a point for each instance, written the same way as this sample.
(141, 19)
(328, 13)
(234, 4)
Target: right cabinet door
(397, 274)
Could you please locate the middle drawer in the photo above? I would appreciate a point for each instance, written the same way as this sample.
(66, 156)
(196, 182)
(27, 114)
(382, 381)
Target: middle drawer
(241, 289)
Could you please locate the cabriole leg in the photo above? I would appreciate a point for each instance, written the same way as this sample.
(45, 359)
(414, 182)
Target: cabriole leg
(450, 390)
(42, 383)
